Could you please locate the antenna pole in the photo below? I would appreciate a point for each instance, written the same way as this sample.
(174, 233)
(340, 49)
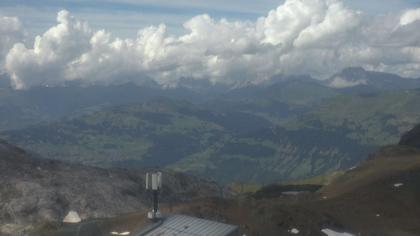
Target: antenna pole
(155, 201)
(154, 183)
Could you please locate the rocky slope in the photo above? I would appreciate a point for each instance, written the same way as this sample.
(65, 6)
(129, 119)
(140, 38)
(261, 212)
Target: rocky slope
(35, 190)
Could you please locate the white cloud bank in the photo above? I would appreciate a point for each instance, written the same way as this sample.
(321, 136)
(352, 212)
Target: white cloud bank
(410, 16)
(340, 82)
(10, 33)
(318, 37)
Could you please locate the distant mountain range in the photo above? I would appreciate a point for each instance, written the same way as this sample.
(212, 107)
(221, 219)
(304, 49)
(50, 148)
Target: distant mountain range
(22, 108)
(290, 127)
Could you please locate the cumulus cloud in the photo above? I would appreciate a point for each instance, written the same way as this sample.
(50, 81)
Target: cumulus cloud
(410, 16)
(47, 61)
(317, 37)
(11, 32)
(305, 22)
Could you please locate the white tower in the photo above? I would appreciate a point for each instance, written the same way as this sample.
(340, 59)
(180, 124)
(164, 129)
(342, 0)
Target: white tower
(154, 184)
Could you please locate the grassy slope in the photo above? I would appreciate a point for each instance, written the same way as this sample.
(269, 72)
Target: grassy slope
(375, 119)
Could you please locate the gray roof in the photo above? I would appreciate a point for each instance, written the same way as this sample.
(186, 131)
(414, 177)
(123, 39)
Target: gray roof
(180, 225)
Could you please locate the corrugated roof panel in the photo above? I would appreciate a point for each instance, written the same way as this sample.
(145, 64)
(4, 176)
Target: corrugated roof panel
(180, 225)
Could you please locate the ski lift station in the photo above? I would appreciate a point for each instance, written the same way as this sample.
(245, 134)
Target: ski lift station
(180, 225)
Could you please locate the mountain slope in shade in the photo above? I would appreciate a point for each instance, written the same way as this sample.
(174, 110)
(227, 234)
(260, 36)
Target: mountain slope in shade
(412, 138)
(34, 190)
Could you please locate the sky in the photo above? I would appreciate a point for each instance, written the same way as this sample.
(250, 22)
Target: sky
(110, 41)
(124, 17)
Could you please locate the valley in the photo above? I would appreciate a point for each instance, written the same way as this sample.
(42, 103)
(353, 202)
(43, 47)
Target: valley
(288, 129)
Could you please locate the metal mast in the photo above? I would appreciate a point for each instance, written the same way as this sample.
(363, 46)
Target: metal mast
(154, 184)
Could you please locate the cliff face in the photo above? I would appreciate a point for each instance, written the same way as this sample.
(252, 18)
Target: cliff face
(35, 190)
